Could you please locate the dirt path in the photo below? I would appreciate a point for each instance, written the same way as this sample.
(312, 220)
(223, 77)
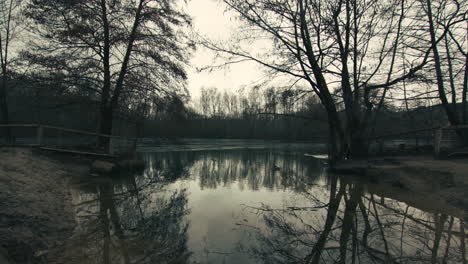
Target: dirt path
(36, 213)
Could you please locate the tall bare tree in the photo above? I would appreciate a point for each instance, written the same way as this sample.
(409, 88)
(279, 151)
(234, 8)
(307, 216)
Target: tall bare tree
(449, 18)
(9, 10)
(122, 51)
(348, 52)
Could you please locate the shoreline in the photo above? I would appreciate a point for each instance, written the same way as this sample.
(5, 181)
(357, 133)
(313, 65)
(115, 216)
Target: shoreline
(37, 212)
(418, 180)
(40, 216)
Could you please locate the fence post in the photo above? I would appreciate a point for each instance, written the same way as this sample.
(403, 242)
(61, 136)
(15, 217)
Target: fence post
(134, 147)
(111, 146)
(40, 133)
(437, 142)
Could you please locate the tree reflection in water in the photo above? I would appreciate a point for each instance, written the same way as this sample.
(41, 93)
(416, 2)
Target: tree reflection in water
(250, 169)
(129, 218)
(307, 216)
(353, 226)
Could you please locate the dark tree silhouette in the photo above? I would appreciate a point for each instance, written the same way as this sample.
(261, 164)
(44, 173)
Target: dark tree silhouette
(9, 10)
(123, 51)
(332, 47)
(451, 67)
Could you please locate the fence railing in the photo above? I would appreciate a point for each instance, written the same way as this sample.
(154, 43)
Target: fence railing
(446, 138)
(67, 140)
(437, 139)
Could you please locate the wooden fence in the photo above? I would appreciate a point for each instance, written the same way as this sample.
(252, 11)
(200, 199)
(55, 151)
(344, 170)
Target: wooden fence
(442, 140)
(446, 137)
(67, 140)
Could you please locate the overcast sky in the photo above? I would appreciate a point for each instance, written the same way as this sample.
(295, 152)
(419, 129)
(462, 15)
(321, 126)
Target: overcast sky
(211, 20)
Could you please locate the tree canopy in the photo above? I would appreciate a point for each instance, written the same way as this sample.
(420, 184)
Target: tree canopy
(353, 54)
(120, 52)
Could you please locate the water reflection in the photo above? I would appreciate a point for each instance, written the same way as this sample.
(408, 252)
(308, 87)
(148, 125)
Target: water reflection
(248, 168)
(354, 226)
(236, 206)
(128, 218)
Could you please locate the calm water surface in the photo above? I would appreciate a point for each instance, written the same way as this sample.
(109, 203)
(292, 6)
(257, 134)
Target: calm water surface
(270, 205)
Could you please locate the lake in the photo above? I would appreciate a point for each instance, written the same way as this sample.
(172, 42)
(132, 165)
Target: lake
(253, 202)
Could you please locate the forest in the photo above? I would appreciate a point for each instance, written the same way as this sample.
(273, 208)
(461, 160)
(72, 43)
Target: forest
(345, 71)
(233, 131)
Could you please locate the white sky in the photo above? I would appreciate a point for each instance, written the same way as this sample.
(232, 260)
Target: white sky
(211, 20)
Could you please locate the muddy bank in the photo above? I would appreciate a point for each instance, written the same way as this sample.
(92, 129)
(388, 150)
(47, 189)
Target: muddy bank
(419, 181)
(36, 215)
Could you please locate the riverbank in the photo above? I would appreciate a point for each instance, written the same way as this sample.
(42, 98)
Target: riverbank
(37, 219)
(37, 213)
(420, 181)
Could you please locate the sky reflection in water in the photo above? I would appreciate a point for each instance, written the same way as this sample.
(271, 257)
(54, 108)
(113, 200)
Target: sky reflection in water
(253, 206)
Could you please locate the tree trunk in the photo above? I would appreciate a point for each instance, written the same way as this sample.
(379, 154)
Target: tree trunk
(338, 149)
(451, 114)
(358, 147)
(107, 108)
(464, 105)
(4, 110)
(346, 144)
(107, 116)
(465, 92)
(4, 45)
(450, 110)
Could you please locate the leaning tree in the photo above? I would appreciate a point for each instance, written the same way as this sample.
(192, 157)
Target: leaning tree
(121, 51)
(450, 57)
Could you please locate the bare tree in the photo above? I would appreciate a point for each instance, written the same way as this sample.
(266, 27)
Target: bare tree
(9, 9)
(121, 50)
(450, 19)
(348, 52)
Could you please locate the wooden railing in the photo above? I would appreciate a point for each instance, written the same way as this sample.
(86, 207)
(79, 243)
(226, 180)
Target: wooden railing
(404, 133)
(434, 134)
(58, 140)
(439, 139)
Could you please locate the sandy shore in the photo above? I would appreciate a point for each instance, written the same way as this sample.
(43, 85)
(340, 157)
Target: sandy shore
(421, 181)
(36, 213)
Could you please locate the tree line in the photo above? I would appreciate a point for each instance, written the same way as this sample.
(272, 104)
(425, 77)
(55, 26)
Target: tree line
(275, 112)
(354, 55)
(271, 113)
(357, 58)
(118, 53)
